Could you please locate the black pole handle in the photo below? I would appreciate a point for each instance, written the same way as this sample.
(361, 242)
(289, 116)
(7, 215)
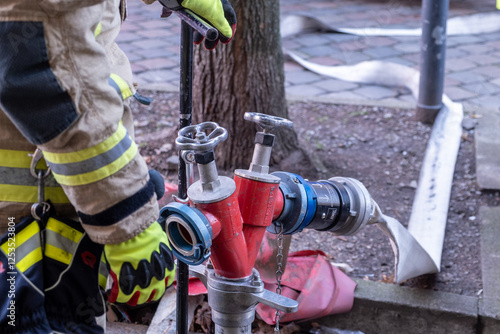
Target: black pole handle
(198, 24)
(185, 106)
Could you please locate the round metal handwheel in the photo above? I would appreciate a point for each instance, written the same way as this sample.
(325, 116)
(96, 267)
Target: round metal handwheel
(268, 122)
(195, 137)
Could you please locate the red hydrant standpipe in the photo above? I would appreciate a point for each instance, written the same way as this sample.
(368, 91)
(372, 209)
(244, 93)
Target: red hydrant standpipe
(243, 218)
(244, 215)
(257, 203)
(226, 219)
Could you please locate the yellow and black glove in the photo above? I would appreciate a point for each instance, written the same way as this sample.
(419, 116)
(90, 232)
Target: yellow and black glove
(219, 13)
(141, 267)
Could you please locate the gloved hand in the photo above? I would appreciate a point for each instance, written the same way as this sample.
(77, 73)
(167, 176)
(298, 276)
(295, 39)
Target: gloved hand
(219, 13)
(141, 267)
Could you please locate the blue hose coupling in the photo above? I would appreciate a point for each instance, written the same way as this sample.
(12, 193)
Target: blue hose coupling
(299, 204)
(189, 232)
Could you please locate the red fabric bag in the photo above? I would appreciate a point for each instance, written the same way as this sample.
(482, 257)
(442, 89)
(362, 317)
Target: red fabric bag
(320, 288)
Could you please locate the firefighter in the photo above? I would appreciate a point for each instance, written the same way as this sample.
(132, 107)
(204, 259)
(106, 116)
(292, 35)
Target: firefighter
(64, 85)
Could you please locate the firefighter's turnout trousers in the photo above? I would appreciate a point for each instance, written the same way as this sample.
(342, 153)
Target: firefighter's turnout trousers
(63, 82)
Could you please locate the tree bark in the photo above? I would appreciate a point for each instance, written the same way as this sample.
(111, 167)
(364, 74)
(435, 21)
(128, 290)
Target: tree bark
(246, 75)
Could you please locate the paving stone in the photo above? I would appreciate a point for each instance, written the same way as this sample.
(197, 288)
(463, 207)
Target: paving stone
(126, 46)
(353, 57)
(402, 61)
(133, 57)
(157, 63)
(352, 46)
(459, 94)
(312, 40)
(451, 82)
(452, 41)
(482, 88)
(486, 101)
(149, 43)
(156, 53)
(477, 48)
(414, 58)
(466, 39)
(291, 66)
(137, 68)
(407, 39)
(407, 98)
(327, 61)
(494, 43)
(488, 71)
(458, 64)
(482, 59)
(375, 92)
(289, 43)
(496, 82)
(156, 33)
(305, 90)
(344, 96)
(382, 52)
(339, 38)
(154, 24)
(467, 76)
(301, 54)
(319, 50)
(490, 37)
(134, 19)
(333, 85)
(158, 75)
(358, 16)
(455, 53)
(127, 37)
(407, 47)
(324, 5)
(302, 77)
(379, 41)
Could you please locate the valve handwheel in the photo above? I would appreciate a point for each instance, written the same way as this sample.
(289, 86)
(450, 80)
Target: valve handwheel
(194, 137)
(268, 122)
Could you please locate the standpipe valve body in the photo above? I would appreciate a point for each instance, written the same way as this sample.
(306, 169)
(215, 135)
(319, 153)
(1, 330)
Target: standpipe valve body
(227, 217)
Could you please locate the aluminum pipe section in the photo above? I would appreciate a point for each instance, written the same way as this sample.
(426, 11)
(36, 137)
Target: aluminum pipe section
(339, 205)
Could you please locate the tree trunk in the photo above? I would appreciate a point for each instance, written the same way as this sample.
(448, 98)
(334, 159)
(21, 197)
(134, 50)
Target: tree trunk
(246, 75)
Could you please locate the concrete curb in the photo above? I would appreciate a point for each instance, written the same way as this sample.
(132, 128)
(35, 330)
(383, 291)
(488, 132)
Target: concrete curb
(388, 308)
(489, 306)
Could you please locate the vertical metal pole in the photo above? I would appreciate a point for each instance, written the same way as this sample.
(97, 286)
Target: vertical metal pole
(186, 91)
(432, 59)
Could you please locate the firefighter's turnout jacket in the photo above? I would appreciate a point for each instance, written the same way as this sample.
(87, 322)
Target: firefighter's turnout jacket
(63, 82)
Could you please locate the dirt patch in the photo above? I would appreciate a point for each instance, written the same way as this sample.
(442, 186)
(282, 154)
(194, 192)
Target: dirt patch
(381, 147)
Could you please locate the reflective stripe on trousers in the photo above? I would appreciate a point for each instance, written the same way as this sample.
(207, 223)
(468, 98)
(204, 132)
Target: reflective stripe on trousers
(18, 185)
